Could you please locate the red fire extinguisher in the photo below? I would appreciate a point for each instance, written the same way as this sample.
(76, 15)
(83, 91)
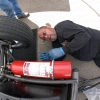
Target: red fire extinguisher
(42, 69)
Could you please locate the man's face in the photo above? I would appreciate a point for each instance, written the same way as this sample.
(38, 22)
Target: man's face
(48, 34)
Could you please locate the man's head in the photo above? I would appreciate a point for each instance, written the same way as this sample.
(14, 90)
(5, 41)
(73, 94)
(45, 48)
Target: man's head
(47, 33)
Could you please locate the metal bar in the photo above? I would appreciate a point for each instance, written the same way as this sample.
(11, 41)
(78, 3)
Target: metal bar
(75, 85)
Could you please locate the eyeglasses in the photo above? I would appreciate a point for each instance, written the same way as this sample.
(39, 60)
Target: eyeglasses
(44, 33)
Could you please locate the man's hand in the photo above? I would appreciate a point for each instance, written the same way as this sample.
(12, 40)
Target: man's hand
(44, 56)
(52, 54)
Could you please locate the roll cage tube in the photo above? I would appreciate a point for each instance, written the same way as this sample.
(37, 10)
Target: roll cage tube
(4, 47)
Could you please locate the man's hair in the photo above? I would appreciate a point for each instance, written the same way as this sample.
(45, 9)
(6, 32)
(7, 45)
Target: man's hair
(47, 24)
(42, 27)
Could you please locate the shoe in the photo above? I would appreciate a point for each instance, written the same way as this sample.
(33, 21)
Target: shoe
(24, 15)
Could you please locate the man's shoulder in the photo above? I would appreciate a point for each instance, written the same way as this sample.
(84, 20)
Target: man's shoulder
(64, 22)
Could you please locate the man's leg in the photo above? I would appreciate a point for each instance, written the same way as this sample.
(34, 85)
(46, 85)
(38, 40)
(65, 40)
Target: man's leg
(7, 7)
(16, 7)
(18, 10)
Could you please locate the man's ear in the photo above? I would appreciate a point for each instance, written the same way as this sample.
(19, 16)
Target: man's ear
(48, 26)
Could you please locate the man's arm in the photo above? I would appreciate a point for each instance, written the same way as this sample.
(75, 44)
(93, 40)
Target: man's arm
(75, 35)
(77, 42)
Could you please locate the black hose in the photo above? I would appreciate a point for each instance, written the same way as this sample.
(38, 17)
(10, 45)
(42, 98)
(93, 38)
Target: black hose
(40, 81)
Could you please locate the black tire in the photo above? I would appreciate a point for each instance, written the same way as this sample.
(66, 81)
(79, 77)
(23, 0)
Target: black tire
(12, 30)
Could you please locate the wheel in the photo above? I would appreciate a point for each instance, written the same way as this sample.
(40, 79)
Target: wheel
(15, 32)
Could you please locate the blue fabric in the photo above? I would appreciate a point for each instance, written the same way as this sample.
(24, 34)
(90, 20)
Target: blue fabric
(52, 54)
(10, 8)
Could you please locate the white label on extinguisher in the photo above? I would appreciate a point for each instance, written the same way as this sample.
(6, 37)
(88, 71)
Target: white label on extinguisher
(39, 69)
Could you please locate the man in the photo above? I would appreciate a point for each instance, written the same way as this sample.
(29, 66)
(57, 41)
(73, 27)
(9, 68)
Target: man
(68, 37)
(12, 9)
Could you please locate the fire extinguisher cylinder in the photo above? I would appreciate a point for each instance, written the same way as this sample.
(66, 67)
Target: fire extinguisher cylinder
(42, 69)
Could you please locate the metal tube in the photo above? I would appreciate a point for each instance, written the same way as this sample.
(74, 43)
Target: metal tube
(75, 85)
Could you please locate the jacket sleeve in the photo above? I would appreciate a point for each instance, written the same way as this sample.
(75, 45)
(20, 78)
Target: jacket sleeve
(76, 37)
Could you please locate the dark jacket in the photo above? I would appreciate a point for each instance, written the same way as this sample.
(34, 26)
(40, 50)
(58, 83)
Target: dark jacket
(81, 42)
